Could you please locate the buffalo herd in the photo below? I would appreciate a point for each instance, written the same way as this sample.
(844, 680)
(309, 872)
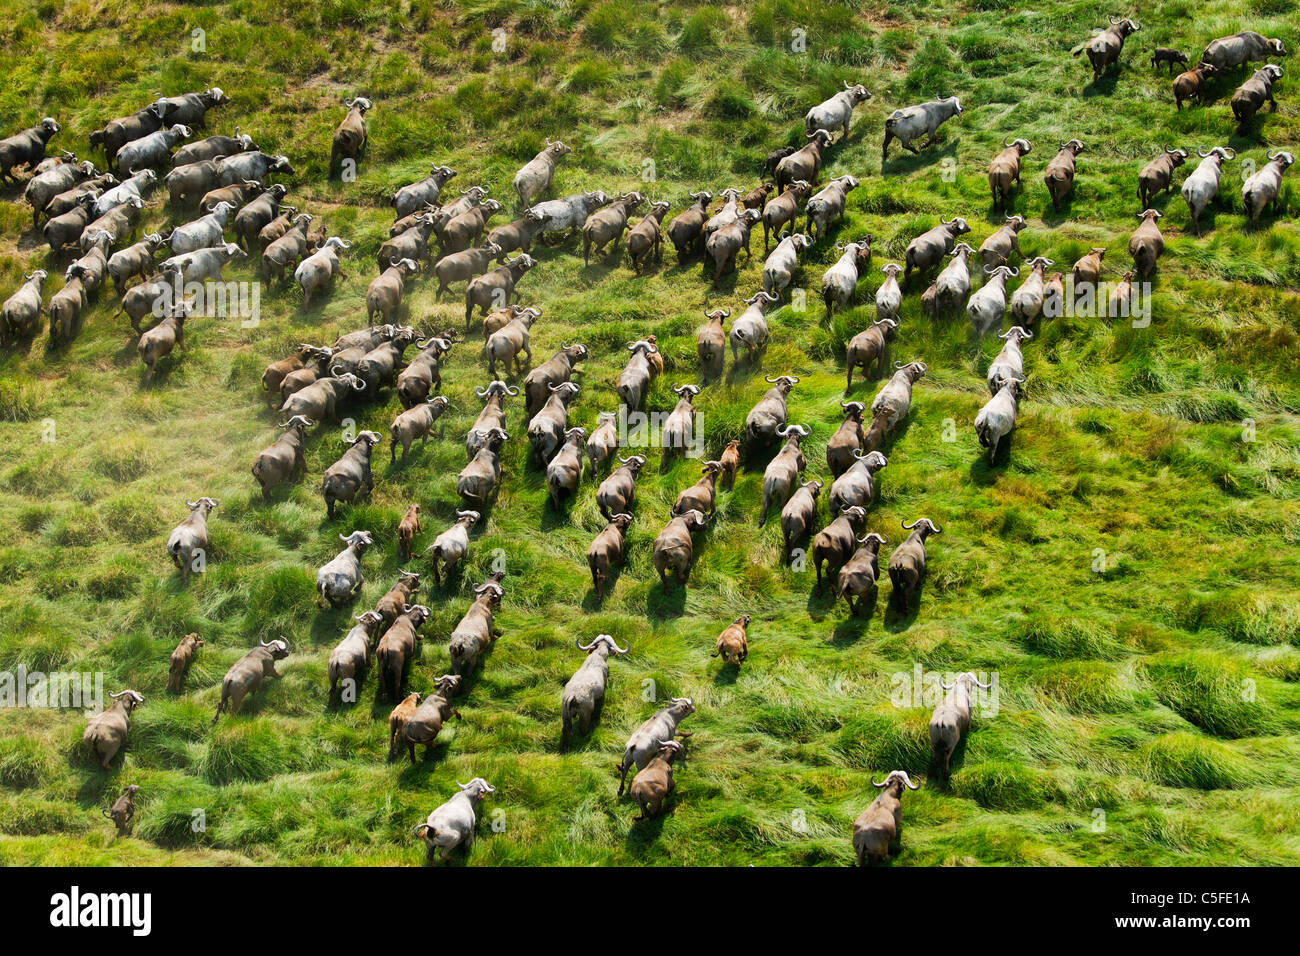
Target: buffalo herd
(90, 219)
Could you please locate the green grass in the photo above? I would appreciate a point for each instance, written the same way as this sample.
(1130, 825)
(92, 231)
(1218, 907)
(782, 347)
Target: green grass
(1160, 690)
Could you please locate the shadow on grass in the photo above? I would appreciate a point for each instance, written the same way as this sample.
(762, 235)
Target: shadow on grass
(553, 517)
(590, 602)
(822, 600)
(12, 192)
(852, 628)
(22, 347)
(33, 240)
(162, 371)
(470, 680)
(725, 284)
(663, 603)
(484, 509)
(426, 762)
(865, 383)
(642, 833)
(1266, 220)
(683, 264)
(904, 162)
(935, 779)
(997, 217)
(1104, 85)
(984, 474)
(756, 457)
(578, 740)
(450, 583)
(744, 369)
(335, 704)
(1221, 86)
(899, 617)
(894, 437)
(1052, 217)
(1209, 215)
(458, 860)
(407, 460)
(649, 267)
(603, 264)
(727, 675)
(1160, 201)
(100, 782)
(669, 458)
(802, 543)
(327, 626)
(381, 708)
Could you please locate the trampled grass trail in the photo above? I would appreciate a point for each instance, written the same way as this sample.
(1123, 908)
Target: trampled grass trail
(1128, 570)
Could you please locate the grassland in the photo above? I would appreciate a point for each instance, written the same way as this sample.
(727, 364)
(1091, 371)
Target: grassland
(1161, 691)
